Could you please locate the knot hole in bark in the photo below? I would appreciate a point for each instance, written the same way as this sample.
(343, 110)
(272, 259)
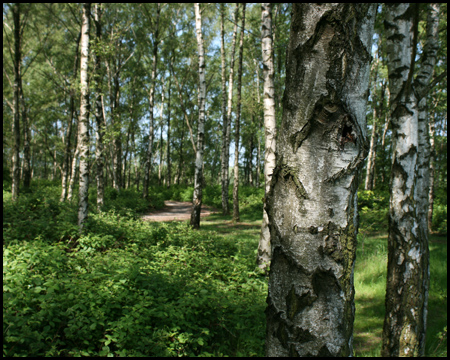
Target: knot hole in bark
(347, 134)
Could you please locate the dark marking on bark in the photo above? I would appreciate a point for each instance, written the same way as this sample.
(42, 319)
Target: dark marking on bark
(297, 139)
(297, 301)
(325, 283)
(289, 175)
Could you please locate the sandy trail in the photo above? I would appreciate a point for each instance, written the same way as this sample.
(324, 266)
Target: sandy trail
(176, 210)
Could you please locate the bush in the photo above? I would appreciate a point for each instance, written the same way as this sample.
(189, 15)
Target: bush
(439, 220)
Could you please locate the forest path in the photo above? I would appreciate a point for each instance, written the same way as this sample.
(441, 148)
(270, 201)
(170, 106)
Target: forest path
(176, 210)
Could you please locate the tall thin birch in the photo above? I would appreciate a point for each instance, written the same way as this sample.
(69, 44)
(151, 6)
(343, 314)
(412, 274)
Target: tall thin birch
(197, 199)
(83, 134)
(236, 217)
(264, 251)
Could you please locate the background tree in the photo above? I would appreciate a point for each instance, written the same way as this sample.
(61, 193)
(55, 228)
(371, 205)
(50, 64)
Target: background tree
(312, 201)
(83, 135)
(237, 123)
(264, 251)
(197, 200)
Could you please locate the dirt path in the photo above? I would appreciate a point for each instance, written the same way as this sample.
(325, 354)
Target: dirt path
(176, 210)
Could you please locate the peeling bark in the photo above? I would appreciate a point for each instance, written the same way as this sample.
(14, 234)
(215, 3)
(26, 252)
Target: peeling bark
(312, 202)
(408, 255)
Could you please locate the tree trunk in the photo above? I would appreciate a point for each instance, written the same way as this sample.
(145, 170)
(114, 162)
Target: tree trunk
(408, 255)
(224, 169)
(431, 128)
(148, 159)
(99, 149)
(264, 251)
(258, 136)
(312, 201)
(83, 140)
(169, 170)
(197, 199)
(16, 104)
(373, 138)
(227, 132)
(26, 168)
(236, 216)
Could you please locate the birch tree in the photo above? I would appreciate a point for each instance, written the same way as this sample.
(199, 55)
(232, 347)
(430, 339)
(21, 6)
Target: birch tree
(83, 134)
(197, 200)
(227, 128)
(148, 158)
(408, 255)
(99, 149)
(312, 201)
(264, 251)
(236, 127)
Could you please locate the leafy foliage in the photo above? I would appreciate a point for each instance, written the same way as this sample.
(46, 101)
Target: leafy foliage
(130, 288)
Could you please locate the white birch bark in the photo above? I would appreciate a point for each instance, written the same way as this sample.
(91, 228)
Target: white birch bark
(197, 199)
(264, 251)
(83, 140)
(312, 202)
(408, 255)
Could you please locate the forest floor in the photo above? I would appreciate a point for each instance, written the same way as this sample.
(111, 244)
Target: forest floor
(176, 210)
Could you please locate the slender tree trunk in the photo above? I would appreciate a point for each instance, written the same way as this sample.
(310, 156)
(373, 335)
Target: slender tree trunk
(16, 103)
(148, 159)
(312, 201)
(160, 134)
(197, 199)
(432, 171)
(408, 255)
(224, 173)
(226, 136)
(99, 149)
(84, 119)
(169, 173)
(264, 247)
(236, 216)
(373, 138)
(26, 168)
(258, 153)
(73, 168)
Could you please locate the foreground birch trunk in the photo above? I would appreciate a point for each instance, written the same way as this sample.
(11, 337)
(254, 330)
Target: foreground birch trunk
(197, 200)
(408, 255)
(84, 119)
(264, 251)
(312, 199)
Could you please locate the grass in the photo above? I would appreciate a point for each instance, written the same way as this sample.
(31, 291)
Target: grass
(134, 288)
(370, 288)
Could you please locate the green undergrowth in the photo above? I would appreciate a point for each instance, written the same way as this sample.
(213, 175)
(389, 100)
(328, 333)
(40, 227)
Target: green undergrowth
(127, 287)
